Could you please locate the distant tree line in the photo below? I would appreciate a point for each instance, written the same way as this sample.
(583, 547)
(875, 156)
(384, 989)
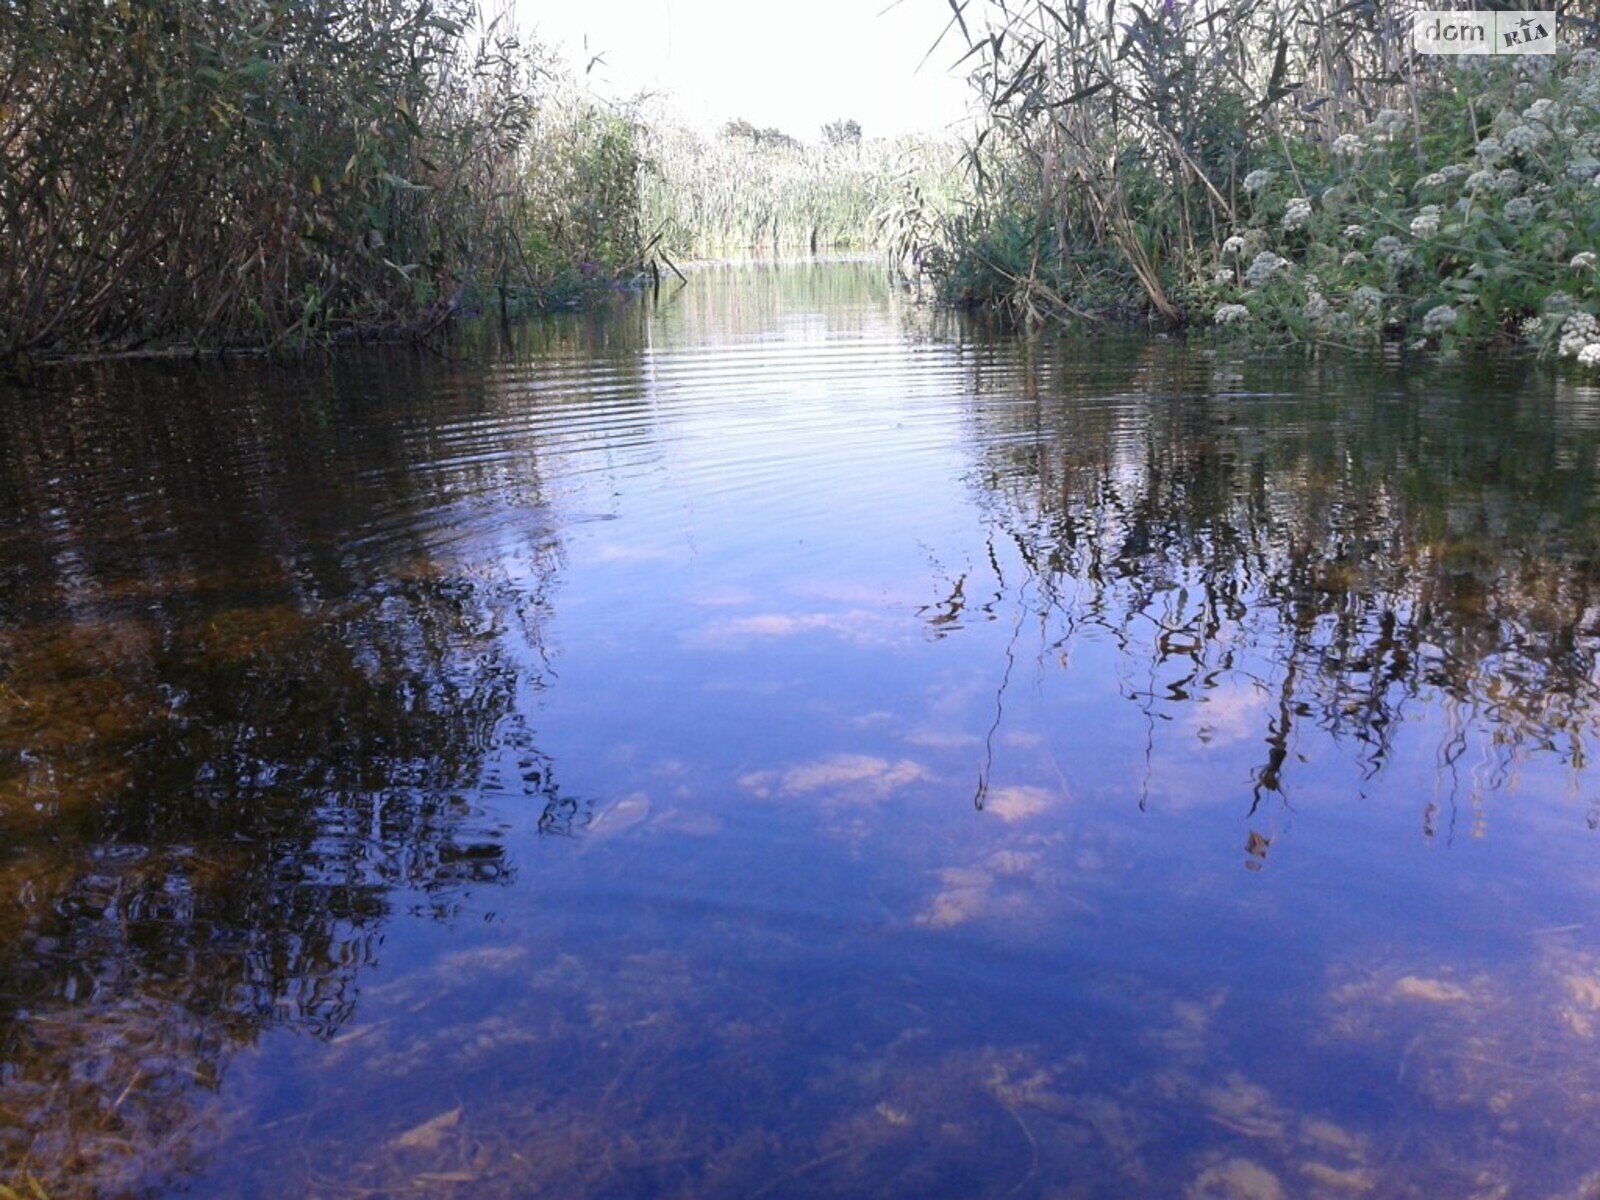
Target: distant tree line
(843, 132)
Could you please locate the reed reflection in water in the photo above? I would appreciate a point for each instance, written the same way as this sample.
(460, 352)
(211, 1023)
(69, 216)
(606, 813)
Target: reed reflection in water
(774, 740)
(1435, 557)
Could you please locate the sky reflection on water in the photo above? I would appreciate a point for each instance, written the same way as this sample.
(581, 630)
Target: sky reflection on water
(782, 742)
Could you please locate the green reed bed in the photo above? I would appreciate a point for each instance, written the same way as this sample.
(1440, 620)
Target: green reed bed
(1288, 169)
(263, 172)
(747, 190)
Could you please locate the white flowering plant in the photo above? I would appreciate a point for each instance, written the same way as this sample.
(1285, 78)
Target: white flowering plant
(1450, 230)
(1440, 209)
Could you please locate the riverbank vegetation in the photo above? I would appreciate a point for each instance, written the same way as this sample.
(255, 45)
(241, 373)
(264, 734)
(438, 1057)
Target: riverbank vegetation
(180, 174)
(1286, 169)
(748, 190)
(259, 173)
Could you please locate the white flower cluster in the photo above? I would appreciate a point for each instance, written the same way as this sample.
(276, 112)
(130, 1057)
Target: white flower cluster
(1222, 278)
(1228, 314)
(1317, 308)
(1348, 145)
(1389, 124)
(1578, 333)
(1583, 261)
(1433, 179)
(1589, 356)
(1505, 181)
(1262, 268)
(1426, 223)
(1524, 139)
(1256, 182)
(1354, 259)
(1542, 112)
(1393, 251)
(1438, 320)
(1531, 327)
(1490, 151)
(1233, 246)
(1297, 215)
(1354, 233)
(1519, 208)
(1367, 301)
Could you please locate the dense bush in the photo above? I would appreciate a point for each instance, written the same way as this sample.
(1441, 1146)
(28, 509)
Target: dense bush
(254, 172)
(1288, 169)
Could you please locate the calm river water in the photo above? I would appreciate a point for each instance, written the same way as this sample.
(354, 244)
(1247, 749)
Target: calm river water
(779, 742)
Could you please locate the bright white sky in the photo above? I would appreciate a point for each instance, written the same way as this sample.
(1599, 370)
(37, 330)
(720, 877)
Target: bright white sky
(777, 63)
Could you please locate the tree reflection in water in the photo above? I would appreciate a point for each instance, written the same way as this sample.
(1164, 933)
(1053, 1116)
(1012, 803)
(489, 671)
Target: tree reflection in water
(267, 669)
(231, 744)
(1343, 553)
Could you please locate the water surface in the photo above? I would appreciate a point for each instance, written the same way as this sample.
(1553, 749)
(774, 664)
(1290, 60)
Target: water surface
(778, 741)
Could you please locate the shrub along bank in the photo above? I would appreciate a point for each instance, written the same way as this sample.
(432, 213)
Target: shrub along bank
(1286, 170)
(265, 172)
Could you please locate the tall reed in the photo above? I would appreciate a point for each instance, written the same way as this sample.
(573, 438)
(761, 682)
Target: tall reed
(746, 190)
(262, 171)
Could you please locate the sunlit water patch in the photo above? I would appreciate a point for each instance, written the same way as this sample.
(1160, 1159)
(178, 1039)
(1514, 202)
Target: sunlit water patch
(778, 741)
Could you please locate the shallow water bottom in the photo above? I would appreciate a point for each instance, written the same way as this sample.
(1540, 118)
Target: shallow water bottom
(784, 742)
